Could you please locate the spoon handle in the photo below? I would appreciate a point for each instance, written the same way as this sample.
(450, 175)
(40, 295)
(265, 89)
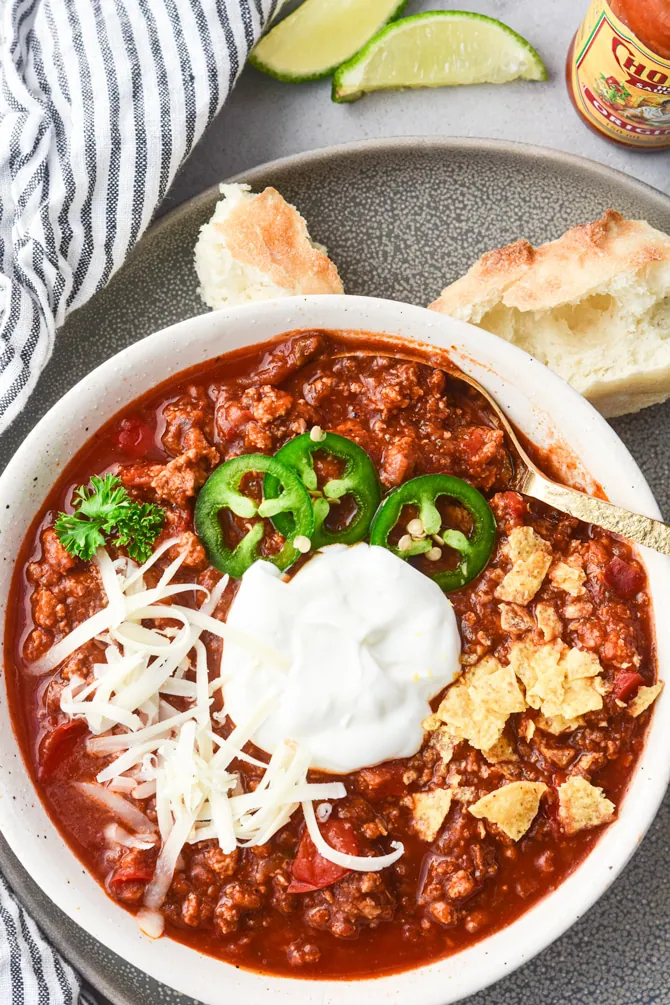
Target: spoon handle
(634, 526)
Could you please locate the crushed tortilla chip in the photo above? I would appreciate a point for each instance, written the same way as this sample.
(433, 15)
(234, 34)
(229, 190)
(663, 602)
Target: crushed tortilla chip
(531, 558)
(444, 743)
(559, 681)
(580, 696)
(569, 578)
(502, 750)
(538, 668)
(644, 698)
(470, 721)
(428, 811)
(557, 724)
(497, 690)
(515, 619)
(523, 542)
(477, 706)
(582, 805)
(548, 622)
(512, 807)
(579, 663)
(576, 609)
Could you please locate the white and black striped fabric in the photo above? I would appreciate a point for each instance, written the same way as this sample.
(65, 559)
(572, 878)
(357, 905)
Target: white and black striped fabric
(30, 970)
(100, 102)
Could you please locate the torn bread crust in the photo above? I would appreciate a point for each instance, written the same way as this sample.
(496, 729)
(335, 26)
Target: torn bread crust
(258, 246)
(513, 807)
(582, 805)
(531, 558)
(556, 273)
(429, 810)
(644, 698)
(592, 305)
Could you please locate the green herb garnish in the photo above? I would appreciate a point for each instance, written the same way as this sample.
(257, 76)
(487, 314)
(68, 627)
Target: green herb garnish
(105, 510)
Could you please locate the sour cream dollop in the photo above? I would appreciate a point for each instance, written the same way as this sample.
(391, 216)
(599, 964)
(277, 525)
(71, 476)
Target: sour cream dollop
(365, 641)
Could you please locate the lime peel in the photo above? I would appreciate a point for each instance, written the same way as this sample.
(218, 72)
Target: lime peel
(438, 49)
(320, 35)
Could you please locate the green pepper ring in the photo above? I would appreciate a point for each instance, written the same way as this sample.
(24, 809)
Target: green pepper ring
(221, 491)
(423, 491)
(359, 479)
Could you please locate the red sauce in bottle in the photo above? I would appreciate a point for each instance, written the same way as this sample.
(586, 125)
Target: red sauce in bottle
(618, 71)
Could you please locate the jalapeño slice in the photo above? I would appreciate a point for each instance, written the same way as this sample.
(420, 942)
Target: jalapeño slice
(475, 549)
(221, 491)
(358, 479)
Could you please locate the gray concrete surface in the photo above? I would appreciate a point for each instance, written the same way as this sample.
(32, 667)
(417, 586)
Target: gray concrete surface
(265, 119)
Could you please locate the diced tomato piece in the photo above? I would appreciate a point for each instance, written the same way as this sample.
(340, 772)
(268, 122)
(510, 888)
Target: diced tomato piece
(626, 580)
(57, 745)
(136, 872)
(626, 684)
(134, 437)
(311, 871)
(510, 508)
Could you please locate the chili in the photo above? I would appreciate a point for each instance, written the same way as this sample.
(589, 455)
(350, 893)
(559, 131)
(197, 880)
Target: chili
(444, 894)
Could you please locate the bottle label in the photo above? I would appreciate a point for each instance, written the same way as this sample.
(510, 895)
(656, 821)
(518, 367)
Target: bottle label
(620, 86)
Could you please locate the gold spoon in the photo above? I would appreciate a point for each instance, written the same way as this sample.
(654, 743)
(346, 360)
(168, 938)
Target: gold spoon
(530, 481)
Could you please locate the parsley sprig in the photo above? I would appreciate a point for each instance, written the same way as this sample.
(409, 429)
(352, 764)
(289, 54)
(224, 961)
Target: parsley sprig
(105, 510)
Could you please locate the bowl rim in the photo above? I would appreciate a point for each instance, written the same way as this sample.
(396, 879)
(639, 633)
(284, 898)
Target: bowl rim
(496, 955)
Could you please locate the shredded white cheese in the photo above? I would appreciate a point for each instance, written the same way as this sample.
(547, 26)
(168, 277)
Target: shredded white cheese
(152, 923)
(117, 805)
(116, 834)
(176, 756)
(358, 863)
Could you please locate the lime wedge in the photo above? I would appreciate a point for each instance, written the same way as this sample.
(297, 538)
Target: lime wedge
(438, 49)
(320, 35)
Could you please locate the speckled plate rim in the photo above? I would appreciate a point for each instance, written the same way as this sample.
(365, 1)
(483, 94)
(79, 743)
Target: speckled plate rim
(21, 883)
(420, 145)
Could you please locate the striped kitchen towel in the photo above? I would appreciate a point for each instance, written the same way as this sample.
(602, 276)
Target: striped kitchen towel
(100, 102)
(31, 972)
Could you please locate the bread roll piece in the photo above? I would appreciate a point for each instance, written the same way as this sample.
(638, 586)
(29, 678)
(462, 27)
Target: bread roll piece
(594, 306)
(256, 247)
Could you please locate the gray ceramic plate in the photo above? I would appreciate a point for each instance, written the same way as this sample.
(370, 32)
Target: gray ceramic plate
(400, 218)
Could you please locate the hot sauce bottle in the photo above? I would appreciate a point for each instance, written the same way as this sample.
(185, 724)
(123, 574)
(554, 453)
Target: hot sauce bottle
(618, 71)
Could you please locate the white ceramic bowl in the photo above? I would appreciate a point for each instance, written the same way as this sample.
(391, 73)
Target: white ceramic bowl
(544, 408)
